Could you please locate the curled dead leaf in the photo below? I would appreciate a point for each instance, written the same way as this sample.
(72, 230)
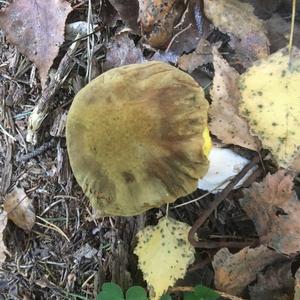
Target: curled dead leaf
(233, 272)
(274, 208)
(19, 209)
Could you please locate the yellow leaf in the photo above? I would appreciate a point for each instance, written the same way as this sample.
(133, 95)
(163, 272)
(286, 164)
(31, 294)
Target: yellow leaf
(270, 101)
(164, 254)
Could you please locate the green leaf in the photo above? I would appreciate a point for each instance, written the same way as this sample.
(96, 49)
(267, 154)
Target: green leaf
(206, 293)
(189, 296)
(166, 297)
(136, 293)
(110, 291)
(201, 293)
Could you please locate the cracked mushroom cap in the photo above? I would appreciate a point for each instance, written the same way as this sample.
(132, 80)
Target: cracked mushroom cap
(137, 138)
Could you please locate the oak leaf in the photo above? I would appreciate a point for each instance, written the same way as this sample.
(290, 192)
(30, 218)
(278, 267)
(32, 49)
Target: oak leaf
(274, 208)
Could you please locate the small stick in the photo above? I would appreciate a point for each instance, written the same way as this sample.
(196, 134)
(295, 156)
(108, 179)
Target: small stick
(40, 150)
(52, 226)
(218, 200)
(292, 29)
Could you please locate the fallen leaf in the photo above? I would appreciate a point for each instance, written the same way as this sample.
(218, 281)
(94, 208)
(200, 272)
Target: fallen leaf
(225, 121)
(189, 30)
(36, 28)
(278, 31)
(297, 285)
(122, 51)
(201, 56)
(233, 272)
(275, 283)
(247, 32)
(3, 249)
(129, 12)
(176, 26)
(85, 251)
(270, 102)
(109, 15)
(157, 19)
(264, 8)
(164, 254)
(274, 208)
(19, 209)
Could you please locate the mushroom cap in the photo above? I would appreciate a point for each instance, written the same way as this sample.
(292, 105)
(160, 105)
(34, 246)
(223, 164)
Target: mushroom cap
(135, 138)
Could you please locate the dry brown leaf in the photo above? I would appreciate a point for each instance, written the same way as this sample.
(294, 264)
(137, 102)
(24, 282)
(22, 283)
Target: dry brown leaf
(128, 11)
(201, 56)
(3, 249)
(19, 209)
(176, 26)
(275, 283)
(297, 285)
(247, 32)
(226, 123)
(274, 208)
(233, 272)
(36, 28)
(157, 19)
(122, 51)
(189, 30)
(278, 31)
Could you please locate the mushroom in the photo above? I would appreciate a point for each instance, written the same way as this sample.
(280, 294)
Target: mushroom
(137, 138)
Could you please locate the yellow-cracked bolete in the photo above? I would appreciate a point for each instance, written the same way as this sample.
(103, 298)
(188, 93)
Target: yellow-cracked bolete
(137, 138)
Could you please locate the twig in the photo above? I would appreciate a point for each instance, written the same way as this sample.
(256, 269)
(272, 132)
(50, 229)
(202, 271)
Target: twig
(40, 150)
(7, 133)
(176, 35)
(218, 199)
(52, 226)
(41, 109)
(294, 2)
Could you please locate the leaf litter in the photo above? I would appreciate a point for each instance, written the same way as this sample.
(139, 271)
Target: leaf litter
(117, 33)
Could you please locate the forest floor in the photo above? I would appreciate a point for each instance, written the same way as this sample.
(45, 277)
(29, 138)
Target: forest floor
(68, 253)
